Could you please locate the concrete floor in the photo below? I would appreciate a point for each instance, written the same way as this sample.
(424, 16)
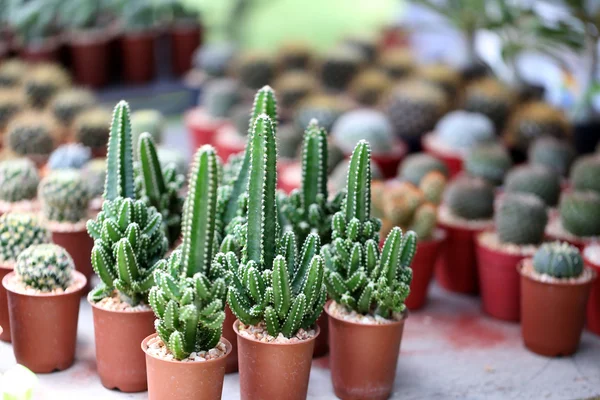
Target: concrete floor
(449, 350)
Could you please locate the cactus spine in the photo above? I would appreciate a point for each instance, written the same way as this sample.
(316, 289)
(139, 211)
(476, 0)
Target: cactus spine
(119, 172)
(18, 231)
(45, 267)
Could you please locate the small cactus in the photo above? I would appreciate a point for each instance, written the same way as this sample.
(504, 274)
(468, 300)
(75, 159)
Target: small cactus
(19, 180)
(12, 73)
(442, 76)
(553, 153)
(151, 121)
(31, 133)
(44, 81)
(370, 86)
(396, 62)
(292, 87)
(11, 102)
(559, 260)
(71, 155)
(364, 124)
(214, 58)
(220, 96)
(254, 69)
(18, 231)
(490, 162)
(64, 196)
(324, 108)
(491, 98)
(462, 130)
(585, 174)
(579, 213)
(294, 56)
(45, 267)
(94, 174)
(534, 179)
(470, 198)
(339, 67)
(67, 104)
(91, 128)
(416, 166)
(521, 219)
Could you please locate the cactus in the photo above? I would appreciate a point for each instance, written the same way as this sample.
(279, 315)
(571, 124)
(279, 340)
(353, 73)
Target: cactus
(462, 130)
(71, 155)
(12, 73)
(67, 104)
(442, 76)
(366, 124)
(339, 175)
(64, 196)
(45, 267)
(521, 219)
(42, 82)
(220, 96)
(11, 102)
(160, 187)
(559, 260)
(369, 87)
(579, 213)
(490, 162)
(470, 198)
(294, 56)
(585, 174)
(92, 127)
(358, 276)
(215, 58)
(324, 108)
(309, 208)
(254, 69)
(491, 98)
(128, 235)
(31, 133)
(553, 153)
(416, 166)
(94, 173)
(189, 296)
(18, 231)
(151, 121)
(396, 62)
(292, 87)
(340, 66)
(534, 179)
(19, 180)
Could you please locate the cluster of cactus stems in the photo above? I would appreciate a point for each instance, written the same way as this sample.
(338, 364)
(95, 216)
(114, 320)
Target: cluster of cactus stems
(45, 267)
(358, 275)
(189, 296)
(128, 235)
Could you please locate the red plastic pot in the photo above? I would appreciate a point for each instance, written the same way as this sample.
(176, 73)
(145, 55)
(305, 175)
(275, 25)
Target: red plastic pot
(422, 266)
(290, 176)
(47, 51)
(90, 53)
(388, 162)
(228, 142)
(593, 306)
(184, 40)
(79, 245)
(138, 56)
(454, 162)
(4, 317)
(201, 126)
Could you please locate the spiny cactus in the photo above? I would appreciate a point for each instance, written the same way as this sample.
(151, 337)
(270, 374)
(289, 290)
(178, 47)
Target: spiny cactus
(521, 219)
(31, 133)
(160, 187)
(339, 67)
(94, 173)
(470, 198)
(324, 108)
(11, 102)
(219, 96)
(369, 86)
(292, 87)
(442, 76)
(364, 124)
(19, 180)
(254, 69)
(45, 267)
(416, 166)
(339, 176)
(579, 213)
(189, 296)
(491, 98)
(18, 231)
(585, 174)
(294, 56)
(12, 73)
(396, 62)
(461, 130)
(64, 196)
(68, 104)
(42, 82)
(490, 162)
(358, 276)
(71, 155)
(151, 121)
(552, 153)
(559, 260)
(92, 127)
(535, 179)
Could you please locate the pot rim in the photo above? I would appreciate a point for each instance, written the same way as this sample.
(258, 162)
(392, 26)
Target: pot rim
(317, 330)
(500, 251)
(521, 263)
(82, 283)
(7, 266)
(462, 227)
(118, 311)
(429, 148)
(392, 323)
(228, 347)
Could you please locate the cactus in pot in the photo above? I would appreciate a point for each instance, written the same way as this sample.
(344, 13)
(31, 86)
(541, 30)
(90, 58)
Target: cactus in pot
(585, 174)
(45, 267)
(442, 76)
(521, 219)
(70, 155)
(579, 213)
(254, 69)
(94, 173)
(470, 199)
(552, 153)
(416, 166)
(294, 56)
(92, 128)
(367, 124)
(489, 161)
(339, 66)
(535, 179)
(370, 86)
(19, 180)
(292, 87)
(43, 82)
(459, 131)
(64, 196)
(558, 259)
(491, 98)
(396, 62)
(31, 134)
(324, 108)
(67, 104)
(18, 231)
(12, 73)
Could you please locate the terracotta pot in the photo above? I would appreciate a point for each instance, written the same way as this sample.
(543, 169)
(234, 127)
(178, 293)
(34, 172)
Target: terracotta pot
(184, 40)
(322, 341)
(138, 56)
(47, 51)
(44, 326)
(121, 361)
(201, 126)
(79, 246)
(289, 176)
(274, 370)
(190, 380)
(228, 142)
(593, 306)
(229, 334)
(90, 53)
(4, 318)
(423, 265)
(388, 162)
(454, 162)
(552, 314)
(499, 282)
(363, 358)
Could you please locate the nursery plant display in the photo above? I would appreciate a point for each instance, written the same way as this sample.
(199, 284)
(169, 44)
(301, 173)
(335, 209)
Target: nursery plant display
(33, 135)
(137, 43)
(414, 167)
(254, 69)
(553, 153)
(368, 289)
(534, 179)
(19, 180)
(584, 175)
(339, 66)
(578, 221)
(43, 296)
(34, 23)
(490, 162)
(369, 87)
(67, 104)
(555, 287)
(44, 81)
(128, 241)
(185, 35)
(491, 98)
(69, 156)
(91, 128)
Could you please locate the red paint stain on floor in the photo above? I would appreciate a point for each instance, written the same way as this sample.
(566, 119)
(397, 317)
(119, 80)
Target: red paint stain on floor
(471, 331)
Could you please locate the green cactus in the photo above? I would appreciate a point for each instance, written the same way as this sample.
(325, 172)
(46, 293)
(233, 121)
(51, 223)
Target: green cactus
(31, 133)
(533, 120)
(255, 69)
(42, 82)
(370, 125)
(489, 162)
(585, 174)
(470, 198)
(339, 67)
(324, 108)
(11, 102)
(19, 180)
(461, 130)
(12, 72)
(579, 213)
(521, 219)
(45, 267)
(18, 231)
(94, 173)
(416, 166)
(189, 296)
(424, 221)
(64, 196)
(70, 155)
(558, 259)
(68, 104)
(553, 153)
(220, 96)
(358, 276)
(535, 179)
(92, 128)
(491, 98)
(432, 185)
(151, 121)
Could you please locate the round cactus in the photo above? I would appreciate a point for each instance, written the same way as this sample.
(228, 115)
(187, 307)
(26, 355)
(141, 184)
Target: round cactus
(340, 65)
(18, 180)
(11, 102)
(442, 76)
(491, 98)
(579, 213)
(559, 260)
(534, 179)
(294, 56)
(470, 198)
(490, 162)
(552, 153)
(45, 267)
(67, 104)
(71, 155)
(43, 81)
(462, 130)
(370, 86)
(64, 196)
(585, 174)
(92, 128)
(324, 108)
(432, 185)
(18, 231)
(370, 125)
(12, 73)
(292, 87)
(521, 219)
(151, 121)
(339, 176)
(396, 62)
(254, 69)
(31, 133)
(219, 96)
(214, 58)
(94, 175)
(416, 166)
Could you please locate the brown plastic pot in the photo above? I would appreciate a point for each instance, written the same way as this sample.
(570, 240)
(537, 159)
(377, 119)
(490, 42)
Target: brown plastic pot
(90, 53)
(121, 361)
(422, 266)
(44, 326)
(178, 380)
(4, 318)
(363, 358)
(552, 314)
(274, 370)
(229, 334)
(138, 56)
(184, 40)
(593, 307)
(322, 341)
(79, 246)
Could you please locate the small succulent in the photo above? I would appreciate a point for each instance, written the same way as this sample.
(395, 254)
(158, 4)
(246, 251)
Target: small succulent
(367, 124)
(294, 56)
(12, 73)
(292, 87)
(214, 58)
(579, 213)
(18, 231)
(219, 96)
(324, 108)
(490, 162)
(339, 67)
(491, 98)
(442, 76)
(553, 153)
(70, 155)
(67, 104)
(45, 267)
(19, 180)
(370, 86)
(534, 179)
(151, 121)
(416, 166)
(94, 174)
(254, 69)
(521, 219)
(11, 102)
(462, 130)
(64, 196)
(91, 128)
(396, 62)
(44, 81)
(585, 174)
(470, 198)
(31, 133)
(559, 260)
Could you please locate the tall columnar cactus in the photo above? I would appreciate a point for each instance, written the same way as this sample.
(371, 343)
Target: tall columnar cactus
(19, 180)
(470, 198)
(18, 231)
(358, 275)
(45, 267)
(579, 213)
(558, 259)
(521, 219)
(309, 209)
(160, 187)
(119, 168)
(189, 296)
(585, 174)
(64, 196)
(535, 179)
